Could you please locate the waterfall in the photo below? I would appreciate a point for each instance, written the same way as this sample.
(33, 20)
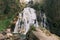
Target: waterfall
(28, 17)
(17, 25)
(43, 19)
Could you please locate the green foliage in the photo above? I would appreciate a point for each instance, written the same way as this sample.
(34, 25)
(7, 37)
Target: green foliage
(2, 6)
(8, 9)
(32, 28)
(52, 9)
(8, 6)
(37, 6)
(6, 22)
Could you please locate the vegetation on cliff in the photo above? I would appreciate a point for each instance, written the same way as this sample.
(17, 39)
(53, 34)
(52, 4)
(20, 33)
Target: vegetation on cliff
(52, 11)
(8, 9)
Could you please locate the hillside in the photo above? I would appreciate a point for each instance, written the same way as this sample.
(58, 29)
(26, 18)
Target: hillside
(9, 10)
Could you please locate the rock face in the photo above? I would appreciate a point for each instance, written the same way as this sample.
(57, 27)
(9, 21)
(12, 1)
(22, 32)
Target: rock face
(44, 35)
(25, 1)
(30, 36)
(34, 1)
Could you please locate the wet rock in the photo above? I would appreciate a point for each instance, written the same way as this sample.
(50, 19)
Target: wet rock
(2, 36)
(9, 35)
(8, 30)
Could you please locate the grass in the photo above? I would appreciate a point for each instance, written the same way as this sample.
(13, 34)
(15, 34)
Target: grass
(3, 24)
(6, 22)
(7, 12)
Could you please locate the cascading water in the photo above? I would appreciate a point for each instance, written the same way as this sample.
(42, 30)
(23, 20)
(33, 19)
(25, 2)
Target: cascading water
(43, 19)
(28, 16)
